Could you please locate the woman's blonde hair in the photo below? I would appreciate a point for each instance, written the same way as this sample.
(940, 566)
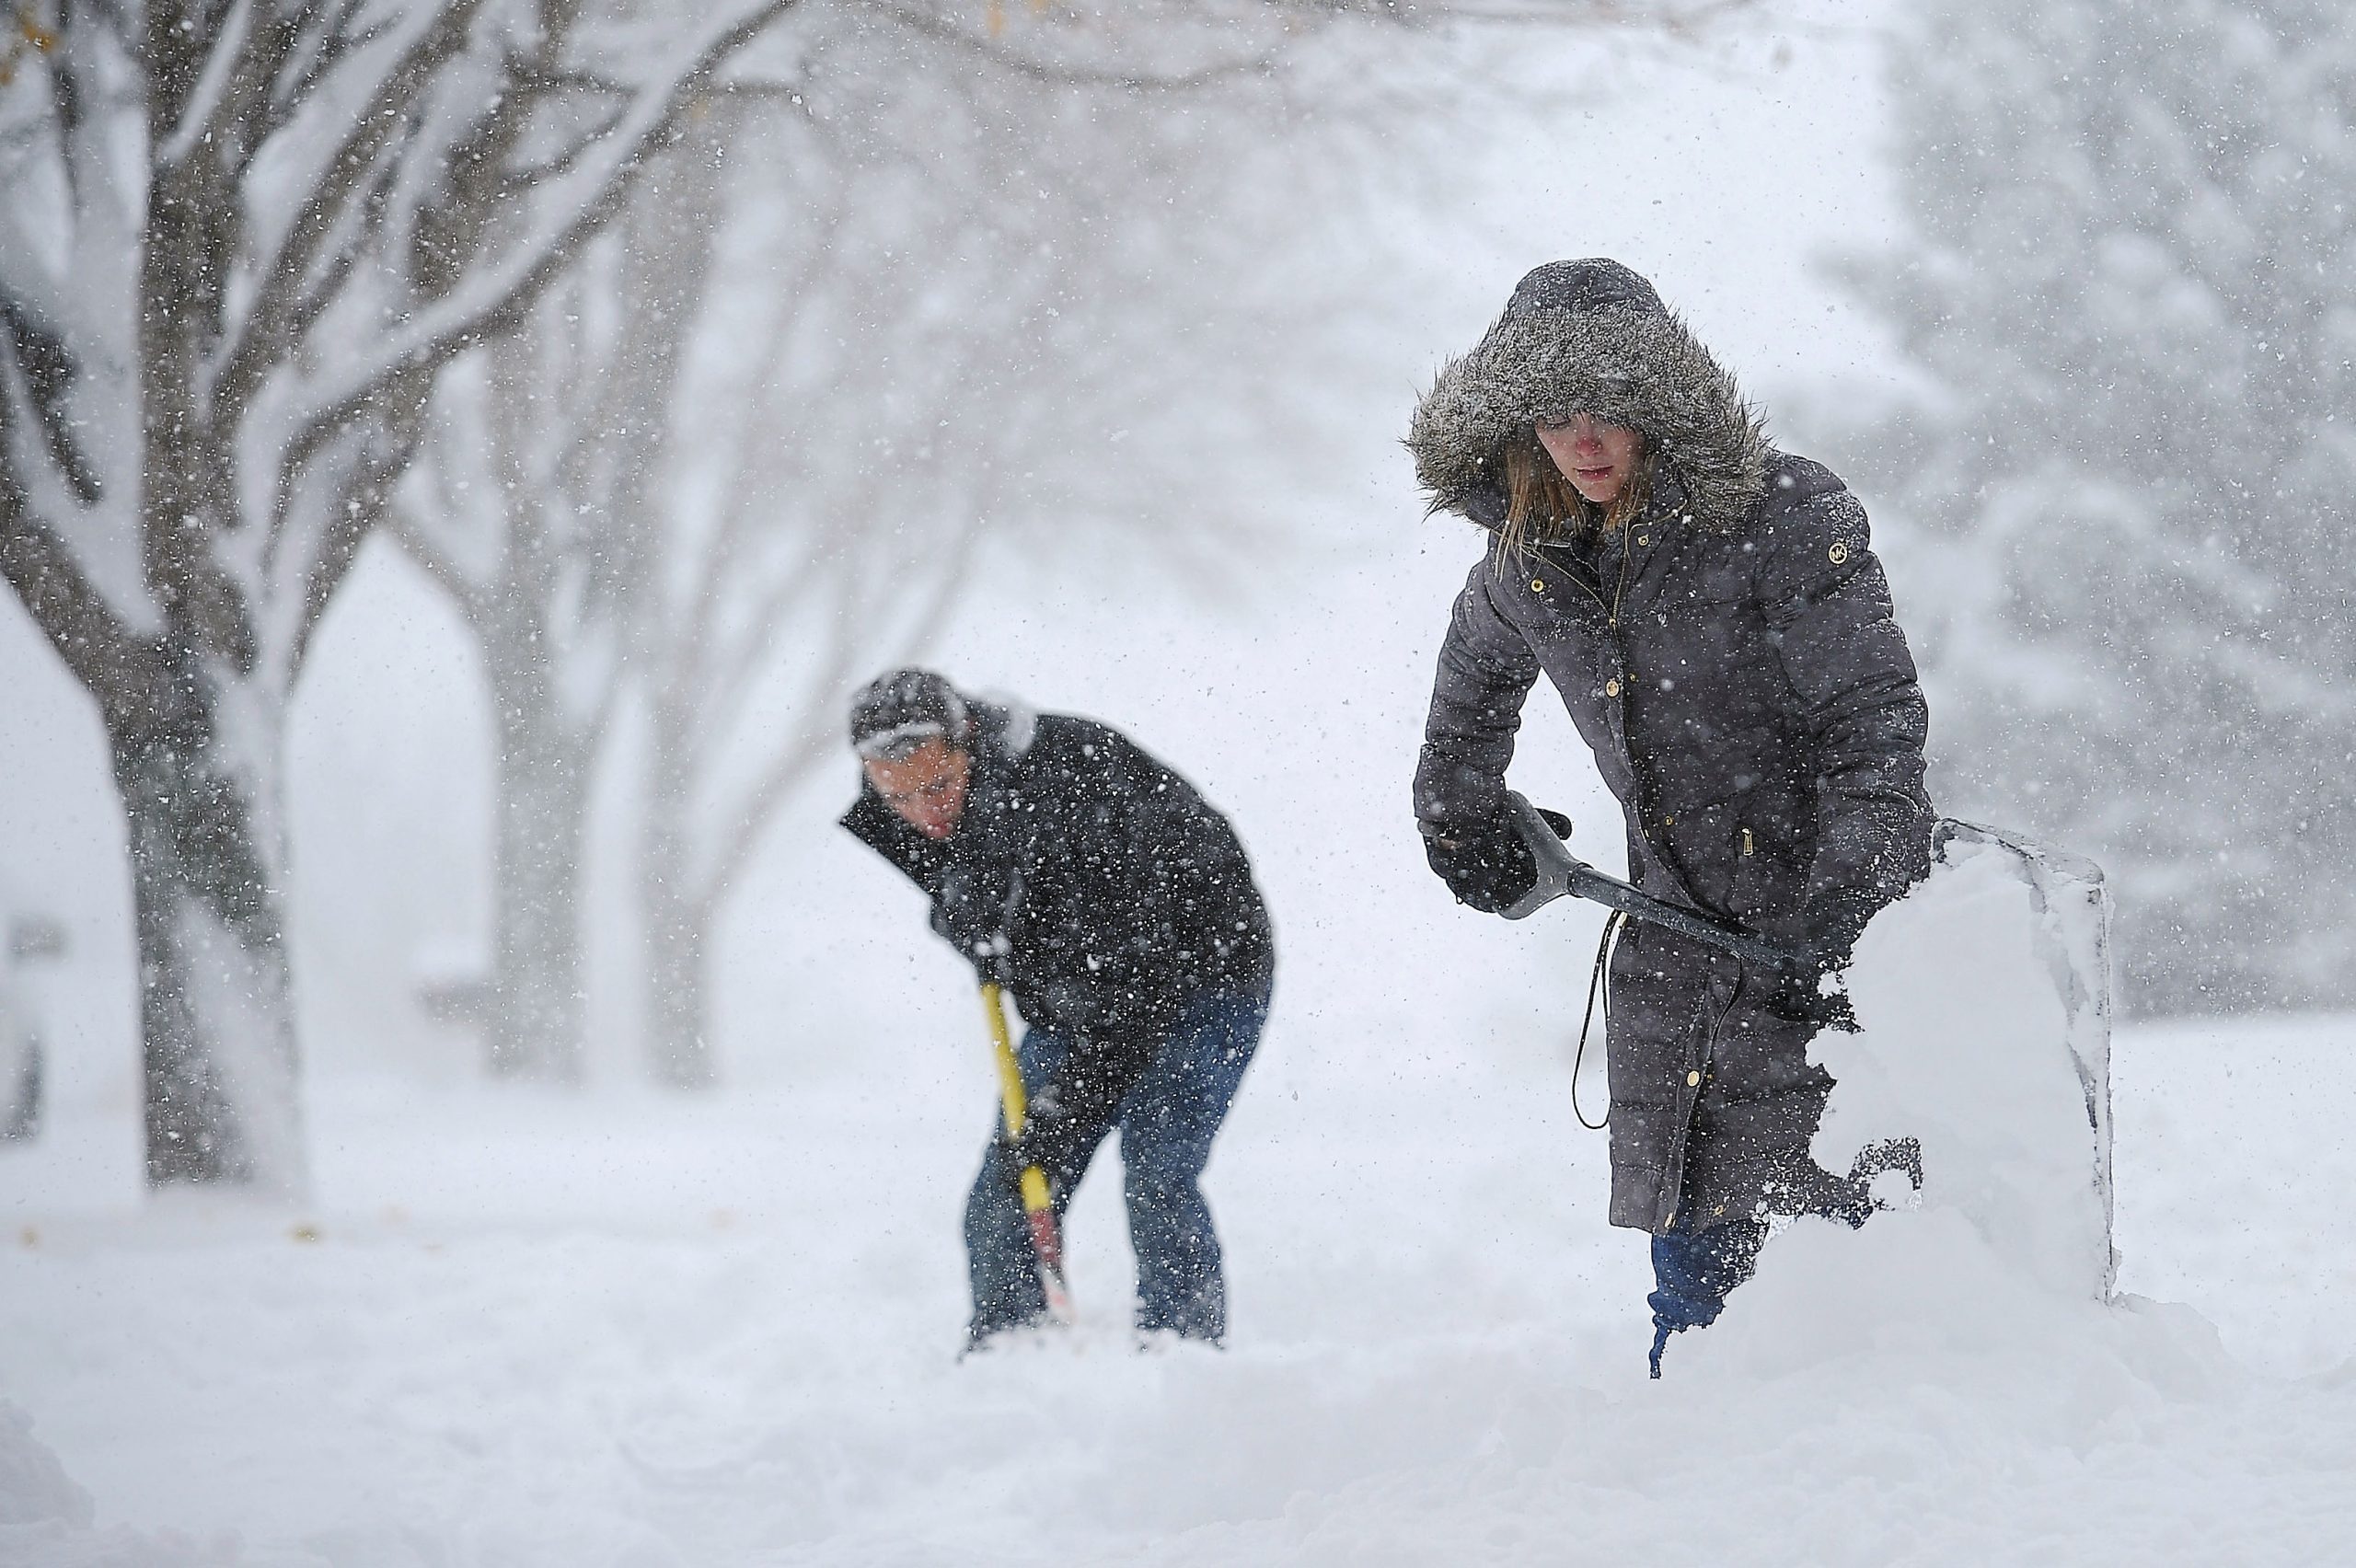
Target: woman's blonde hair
(1542, 506)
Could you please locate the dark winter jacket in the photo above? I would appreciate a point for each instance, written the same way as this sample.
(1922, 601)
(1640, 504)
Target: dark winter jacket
(1731, 658)
(1121, 893)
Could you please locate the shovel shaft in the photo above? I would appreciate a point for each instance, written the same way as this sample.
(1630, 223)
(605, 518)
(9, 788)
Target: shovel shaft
(1013, 1100)
(1562, 873)
(1612, 894)
(1038, 1202)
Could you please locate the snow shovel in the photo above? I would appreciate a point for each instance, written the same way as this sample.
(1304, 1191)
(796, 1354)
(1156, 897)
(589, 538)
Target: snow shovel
(1038, 1207)
(1562, 873)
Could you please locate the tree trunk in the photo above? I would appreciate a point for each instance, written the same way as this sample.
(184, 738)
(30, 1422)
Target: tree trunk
(535, 1024)
(672, 915)
(671, 237)
(199, 765)
(535, 1028)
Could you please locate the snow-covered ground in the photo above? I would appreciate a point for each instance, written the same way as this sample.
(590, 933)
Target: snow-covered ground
(628, 1330)
(522, 1330)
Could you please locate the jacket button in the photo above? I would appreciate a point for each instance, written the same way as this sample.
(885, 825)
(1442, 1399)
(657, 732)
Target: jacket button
(1644, 538)
(1538, 585)
(1612, 686)
(1693, 1080)
(1839, 553)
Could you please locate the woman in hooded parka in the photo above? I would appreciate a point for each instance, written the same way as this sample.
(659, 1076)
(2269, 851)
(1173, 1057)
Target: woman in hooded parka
(1710, 611)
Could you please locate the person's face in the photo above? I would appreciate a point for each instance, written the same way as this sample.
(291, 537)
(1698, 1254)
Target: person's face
(926, 787)
(1598, 458)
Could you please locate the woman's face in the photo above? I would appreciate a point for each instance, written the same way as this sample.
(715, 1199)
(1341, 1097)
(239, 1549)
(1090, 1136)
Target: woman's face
(1598, 458)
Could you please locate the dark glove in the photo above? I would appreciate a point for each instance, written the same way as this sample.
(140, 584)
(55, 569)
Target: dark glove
(1798, 993)
(1487, 866)
(1797, 1000)
(1834, 921)
(972, 917)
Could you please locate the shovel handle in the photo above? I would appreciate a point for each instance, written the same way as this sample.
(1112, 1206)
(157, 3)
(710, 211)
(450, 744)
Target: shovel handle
(1013, 1101)
(1562, 873)
(1038, 1202)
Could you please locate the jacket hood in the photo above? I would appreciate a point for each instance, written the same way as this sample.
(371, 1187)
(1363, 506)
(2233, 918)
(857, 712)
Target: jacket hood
(1007, 724)
(1589, 337)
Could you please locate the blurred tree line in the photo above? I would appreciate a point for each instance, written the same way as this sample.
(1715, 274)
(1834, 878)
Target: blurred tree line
(2132, 274)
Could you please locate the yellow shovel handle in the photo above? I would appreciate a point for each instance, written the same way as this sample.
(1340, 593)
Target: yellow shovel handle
(1011, 1092)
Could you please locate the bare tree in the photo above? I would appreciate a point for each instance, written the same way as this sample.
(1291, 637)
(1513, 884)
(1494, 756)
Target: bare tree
(978, 271)
(234, 255)
(942, 289)
(570, 469)
(525, 509)
(528, 572)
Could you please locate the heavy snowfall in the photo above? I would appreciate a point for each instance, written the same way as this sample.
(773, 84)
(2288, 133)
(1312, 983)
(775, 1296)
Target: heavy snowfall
(464, 1102)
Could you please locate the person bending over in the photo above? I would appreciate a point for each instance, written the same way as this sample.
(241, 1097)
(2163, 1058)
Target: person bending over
(1117, 906)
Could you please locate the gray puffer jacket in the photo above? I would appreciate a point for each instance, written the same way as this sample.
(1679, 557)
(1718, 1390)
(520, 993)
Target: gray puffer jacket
(1732, 659)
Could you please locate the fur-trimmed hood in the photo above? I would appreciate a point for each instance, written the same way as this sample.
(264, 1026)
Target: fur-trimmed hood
(1589, 337)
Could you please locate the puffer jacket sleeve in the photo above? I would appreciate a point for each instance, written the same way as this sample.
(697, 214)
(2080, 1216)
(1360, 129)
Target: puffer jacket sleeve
(1486, 669)
(1829, 616)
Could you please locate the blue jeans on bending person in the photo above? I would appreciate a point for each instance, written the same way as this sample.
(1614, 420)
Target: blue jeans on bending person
(1166, 1121)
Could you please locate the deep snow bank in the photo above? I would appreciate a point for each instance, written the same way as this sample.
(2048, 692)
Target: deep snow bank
(1438, 1358)
(616, 1331)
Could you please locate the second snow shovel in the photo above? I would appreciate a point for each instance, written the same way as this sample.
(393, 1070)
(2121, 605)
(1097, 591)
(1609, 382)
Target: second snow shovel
(1038, 1203)
(1560, 872)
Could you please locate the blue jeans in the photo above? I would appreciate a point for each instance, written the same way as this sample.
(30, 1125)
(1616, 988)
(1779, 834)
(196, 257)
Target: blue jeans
(1692, 1271)
(1167, 1120)
(1693, 1268)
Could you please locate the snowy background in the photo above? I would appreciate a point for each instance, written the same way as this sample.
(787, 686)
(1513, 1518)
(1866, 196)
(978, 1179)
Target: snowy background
(618, 1325)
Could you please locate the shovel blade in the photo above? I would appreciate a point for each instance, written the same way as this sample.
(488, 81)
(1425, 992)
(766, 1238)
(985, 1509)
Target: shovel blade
(1047, 1243)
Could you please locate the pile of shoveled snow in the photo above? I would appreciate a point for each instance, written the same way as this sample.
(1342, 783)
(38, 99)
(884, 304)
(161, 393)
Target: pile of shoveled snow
(626, 1331)
(1984, 998)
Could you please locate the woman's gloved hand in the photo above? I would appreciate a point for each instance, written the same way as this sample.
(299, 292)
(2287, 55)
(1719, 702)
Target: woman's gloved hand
(1834, 925)
(1485, 865)
(1799, 996)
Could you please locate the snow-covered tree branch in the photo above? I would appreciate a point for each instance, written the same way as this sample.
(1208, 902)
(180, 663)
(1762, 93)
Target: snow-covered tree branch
(236, 255)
